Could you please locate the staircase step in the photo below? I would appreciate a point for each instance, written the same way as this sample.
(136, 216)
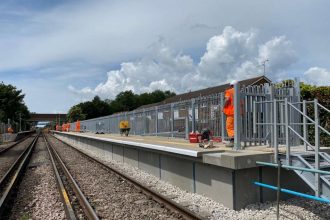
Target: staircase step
(326, 177)
(323, 164)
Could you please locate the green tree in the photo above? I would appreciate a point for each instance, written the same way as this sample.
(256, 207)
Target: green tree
(12, 104)
(127, 100)
(75, 113)
(124, 101)
(90, 109)
(154, 97)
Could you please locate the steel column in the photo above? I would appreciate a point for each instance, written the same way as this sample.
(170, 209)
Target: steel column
(275, 136)
(156, 118)
(172, 120)
(305, 124)
(237, 117)
(222, 116)
(287, 138)
(193, 116)
(317, 145)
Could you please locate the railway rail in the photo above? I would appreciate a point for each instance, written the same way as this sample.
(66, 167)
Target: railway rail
(164, 202)
(70, 212)
(77, 196)
(5, 149)
(10, 179)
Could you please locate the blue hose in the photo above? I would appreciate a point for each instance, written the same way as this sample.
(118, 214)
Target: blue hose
(293, 192)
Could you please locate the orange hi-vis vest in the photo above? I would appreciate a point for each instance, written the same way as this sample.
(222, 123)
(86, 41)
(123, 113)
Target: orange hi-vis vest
(229, 109)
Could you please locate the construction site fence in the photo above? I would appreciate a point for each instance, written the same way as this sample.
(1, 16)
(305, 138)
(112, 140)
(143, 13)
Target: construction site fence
(180, 118)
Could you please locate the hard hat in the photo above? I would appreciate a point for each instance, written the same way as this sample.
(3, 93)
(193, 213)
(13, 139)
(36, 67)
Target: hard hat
(233, 82)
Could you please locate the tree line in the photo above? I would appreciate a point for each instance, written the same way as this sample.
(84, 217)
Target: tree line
(124, 101)
(12, 106)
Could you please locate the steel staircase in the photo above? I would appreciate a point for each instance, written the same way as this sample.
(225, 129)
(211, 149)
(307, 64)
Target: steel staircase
(307, 160)
(290, 126)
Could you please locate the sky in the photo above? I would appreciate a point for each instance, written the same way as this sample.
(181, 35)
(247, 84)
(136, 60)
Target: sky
(62, 52)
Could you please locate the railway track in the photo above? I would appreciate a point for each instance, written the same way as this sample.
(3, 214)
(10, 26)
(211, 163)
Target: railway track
(88, 189)
(83, 202)
(133, 196)
(5, 149)
(13, 174)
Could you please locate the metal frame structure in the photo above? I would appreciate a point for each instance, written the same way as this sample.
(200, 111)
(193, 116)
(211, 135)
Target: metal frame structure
(179, 118)
(286, 108)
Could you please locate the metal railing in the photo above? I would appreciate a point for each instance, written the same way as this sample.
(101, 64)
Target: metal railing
(180, 118)
(281, 120)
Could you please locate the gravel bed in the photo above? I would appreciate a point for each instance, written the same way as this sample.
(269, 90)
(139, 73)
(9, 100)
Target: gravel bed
(111, 197)
(38, 196)
(9, 157)
(295, 208)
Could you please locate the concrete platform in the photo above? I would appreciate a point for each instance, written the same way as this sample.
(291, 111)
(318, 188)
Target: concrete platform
(170, 145)
(220, 173)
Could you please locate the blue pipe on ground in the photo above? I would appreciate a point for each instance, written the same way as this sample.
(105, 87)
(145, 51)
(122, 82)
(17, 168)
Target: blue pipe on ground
(293, 192)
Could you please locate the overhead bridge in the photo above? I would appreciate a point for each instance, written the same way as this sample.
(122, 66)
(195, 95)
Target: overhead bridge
(46, 117)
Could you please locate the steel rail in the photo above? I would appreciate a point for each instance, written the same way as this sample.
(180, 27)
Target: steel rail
(10, 179)
(13, 145)
(167, 202)
(63, 193)
(87, 208)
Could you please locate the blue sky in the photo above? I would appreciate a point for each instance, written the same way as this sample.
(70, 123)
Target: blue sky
(63, 52)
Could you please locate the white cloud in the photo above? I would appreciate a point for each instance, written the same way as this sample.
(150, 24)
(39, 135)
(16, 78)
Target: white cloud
(280, 53)
(317, 76)
(230, 55)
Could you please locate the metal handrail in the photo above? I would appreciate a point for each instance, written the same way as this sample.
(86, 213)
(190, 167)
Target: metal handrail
(294, 168)
(294, 131)
(303, 195)
(302, 102)
(323, 129)
(323, 107)
(289, 127)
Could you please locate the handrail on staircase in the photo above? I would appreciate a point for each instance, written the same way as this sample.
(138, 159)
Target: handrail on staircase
(303, 195)
(289, 129)
(293, 168)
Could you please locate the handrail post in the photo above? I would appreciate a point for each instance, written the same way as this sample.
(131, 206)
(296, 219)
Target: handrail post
(254, 117)
(237, 117)
(287, 138)
(317, 145)
(305, 124)
(275, 138)
(222, 116)
(172, 120)
(278, 194)
(156, 118)
(144, 118)
(133, 123)
(193, 116)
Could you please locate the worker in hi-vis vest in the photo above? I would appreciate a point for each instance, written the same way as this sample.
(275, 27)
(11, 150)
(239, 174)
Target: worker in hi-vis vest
(228, 109)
